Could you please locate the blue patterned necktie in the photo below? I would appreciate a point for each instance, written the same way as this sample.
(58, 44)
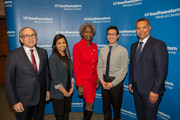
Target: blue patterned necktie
(137, 56)
(138, 51)
(107, 64)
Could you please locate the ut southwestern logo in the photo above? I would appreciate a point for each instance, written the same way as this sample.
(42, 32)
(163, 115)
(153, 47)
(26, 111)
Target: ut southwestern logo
(163, 116)
(126, 88)
(38, 19)
(128, 3)
(11, 33)
(68, 33)
(169, 85)
(98, 19)
(77, 104)
(69, 7)
(164, 14)
(8, 3)
(172, 50)
(128, 32)
(98, 96)
(128, 113)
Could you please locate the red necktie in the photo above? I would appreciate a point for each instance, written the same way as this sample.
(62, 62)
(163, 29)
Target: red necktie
(33, 61)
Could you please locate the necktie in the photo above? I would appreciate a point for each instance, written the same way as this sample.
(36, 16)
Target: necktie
(137, 56)
(107, 64)
(138, 51)
(33, 61)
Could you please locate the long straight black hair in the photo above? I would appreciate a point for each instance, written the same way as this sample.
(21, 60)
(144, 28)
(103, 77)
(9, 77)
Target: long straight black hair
(66, 51)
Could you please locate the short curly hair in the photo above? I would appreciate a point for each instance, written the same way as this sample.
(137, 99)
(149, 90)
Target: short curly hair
(83, 27)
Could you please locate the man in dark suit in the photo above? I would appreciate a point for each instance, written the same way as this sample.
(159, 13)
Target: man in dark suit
(148, 71)
(27, 77)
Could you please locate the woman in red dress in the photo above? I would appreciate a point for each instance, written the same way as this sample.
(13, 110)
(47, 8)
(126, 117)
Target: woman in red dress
(85, 59)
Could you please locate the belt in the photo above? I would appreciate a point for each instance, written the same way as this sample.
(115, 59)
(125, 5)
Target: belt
(108, 80)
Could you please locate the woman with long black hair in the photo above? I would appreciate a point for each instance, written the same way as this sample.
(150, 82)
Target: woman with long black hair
(61, 70)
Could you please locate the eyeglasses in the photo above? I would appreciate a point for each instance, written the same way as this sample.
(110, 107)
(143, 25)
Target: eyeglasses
(111, 34)
(29, 36)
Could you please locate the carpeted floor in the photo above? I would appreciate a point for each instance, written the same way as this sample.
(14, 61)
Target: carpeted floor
(7, 113)
(76, 116)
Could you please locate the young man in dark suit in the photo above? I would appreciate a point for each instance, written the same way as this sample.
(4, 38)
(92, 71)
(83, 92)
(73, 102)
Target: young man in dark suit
(27, 77)
(148, 71)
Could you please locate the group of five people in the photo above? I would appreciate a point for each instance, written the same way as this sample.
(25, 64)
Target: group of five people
(28, 74)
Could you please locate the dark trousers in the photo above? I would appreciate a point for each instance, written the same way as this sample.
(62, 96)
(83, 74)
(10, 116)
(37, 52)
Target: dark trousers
(32, 112)
(114, 97)
(62, 107)
(145, 110)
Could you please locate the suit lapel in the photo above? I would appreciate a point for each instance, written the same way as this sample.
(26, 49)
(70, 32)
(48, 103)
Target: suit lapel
(145, 48)
(25, 58)
(40, 58)
(134, 53)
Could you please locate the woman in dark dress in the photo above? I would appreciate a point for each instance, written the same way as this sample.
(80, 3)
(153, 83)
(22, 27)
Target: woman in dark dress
(62, 85)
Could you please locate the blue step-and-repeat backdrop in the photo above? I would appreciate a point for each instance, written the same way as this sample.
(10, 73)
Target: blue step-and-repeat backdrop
(50, 17)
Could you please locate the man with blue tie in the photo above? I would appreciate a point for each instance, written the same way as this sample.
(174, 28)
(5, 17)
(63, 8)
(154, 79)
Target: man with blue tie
(112, 68)
(148, 71)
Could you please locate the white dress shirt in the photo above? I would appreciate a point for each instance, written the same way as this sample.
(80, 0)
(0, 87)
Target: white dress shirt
(144, 42)
(28, 53)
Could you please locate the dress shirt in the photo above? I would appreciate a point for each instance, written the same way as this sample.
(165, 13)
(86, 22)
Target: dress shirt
(118, 63)
(144, 42)
(28, 53)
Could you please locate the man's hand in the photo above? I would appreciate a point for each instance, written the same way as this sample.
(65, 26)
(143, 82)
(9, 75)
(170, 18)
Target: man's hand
(47, 96)
(153, 97)
(130, 88)
(104, 85)
(109, 85)
(18, 107)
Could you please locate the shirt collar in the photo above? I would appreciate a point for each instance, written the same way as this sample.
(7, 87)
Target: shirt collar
(145, 39)
(84, 41)
(27, 49)
(113, 46)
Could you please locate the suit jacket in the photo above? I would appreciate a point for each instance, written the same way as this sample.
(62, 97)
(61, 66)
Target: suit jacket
(23, 83)
(151, 69)
(59, 76)
(85, 60)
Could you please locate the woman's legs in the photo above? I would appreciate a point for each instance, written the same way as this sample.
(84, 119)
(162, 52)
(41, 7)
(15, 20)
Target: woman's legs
(88, 111)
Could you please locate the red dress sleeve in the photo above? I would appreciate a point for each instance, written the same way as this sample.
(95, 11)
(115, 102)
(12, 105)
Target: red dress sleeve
(76, 64)
(96, 48)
